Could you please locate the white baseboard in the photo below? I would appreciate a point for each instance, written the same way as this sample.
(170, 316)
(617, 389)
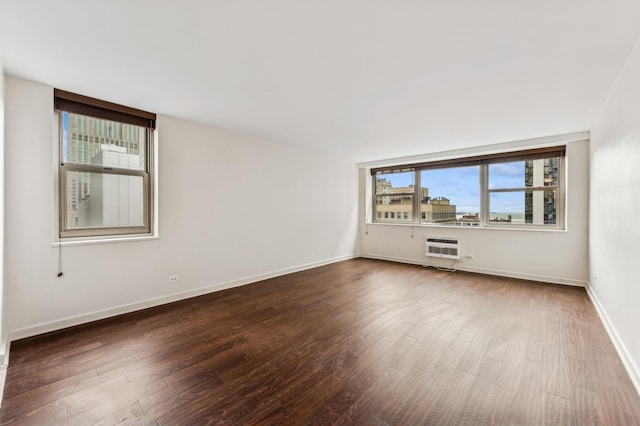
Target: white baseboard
(157, 301)
(467, 268)
(623, 353)
(3, 377)
(530, 277)
(4, 362)
(391, 258)
(5, 344)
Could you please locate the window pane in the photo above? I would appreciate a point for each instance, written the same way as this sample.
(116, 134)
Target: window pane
(524, 174)
(542, 172)
(102, 200)
(507, 175)
(394, 208)
(450, 196)
(523, 207)
(394, 197)
(393, 183)
(89, 140)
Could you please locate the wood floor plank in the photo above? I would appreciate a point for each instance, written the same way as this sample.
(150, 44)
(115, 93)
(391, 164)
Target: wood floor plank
(51, 393)
(503, 407)
(558, 411)
(415, 409)
(535, 349)
(615, 407)
(496, 348)
(451, 398)
(580, 375)
(365, 408)
(107, 400)
(531, 398)
(355, 342)
(52, 413)
(474, 354)
(513, 362)
(131, 414)
(557, 380)
(587, 409)
(477, 407)
(454, 355)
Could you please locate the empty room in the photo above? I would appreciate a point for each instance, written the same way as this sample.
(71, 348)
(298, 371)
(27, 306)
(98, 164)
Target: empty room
(322, 212)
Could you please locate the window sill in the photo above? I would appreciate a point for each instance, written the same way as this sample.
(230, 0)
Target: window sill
(491, 227)
(67, 242)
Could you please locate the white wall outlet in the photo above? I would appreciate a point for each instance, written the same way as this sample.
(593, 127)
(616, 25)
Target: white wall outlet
(319, 252)
(174, 278)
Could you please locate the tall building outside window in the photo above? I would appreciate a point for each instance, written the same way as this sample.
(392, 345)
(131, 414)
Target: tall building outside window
(106, 162)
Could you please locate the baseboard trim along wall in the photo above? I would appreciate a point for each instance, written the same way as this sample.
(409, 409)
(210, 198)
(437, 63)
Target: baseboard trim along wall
(623, 353)
(4, 353)
(486, 271)
(3, 377)
(4, 361)
(157, 301)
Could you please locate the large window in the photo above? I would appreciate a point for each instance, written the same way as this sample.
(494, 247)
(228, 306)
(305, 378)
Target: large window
(524, 188)
(106, 168)
(394, 197)
(450, 192)
(526, 191)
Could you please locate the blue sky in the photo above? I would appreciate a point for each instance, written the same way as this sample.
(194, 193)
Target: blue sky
(65, 128)
(461, 185)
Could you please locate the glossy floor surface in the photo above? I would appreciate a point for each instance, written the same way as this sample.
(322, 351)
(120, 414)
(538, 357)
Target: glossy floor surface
(356, 342)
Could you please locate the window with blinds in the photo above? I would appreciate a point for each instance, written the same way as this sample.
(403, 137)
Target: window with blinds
(105, 174)
(513, 189)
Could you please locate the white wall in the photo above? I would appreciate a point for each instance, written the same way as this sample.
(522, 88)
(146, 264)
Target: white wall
(232, 209)
(550, 256)
(615, 209)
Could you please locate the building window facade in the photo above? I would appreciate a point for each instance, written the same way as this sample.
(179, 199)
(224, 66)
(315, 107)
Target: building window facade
(395, 194)
(105, 174)
(513, 189)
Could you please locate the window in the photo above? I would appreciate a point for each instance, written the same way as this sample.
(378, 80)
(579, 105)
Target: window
(522, 188)
(394, 195)
(530, 187)
(447, 192)
(105, 185)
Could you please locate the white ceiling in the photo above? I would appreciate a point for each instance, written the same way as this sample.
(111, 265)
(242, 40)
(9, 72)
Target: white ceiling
(366, 79)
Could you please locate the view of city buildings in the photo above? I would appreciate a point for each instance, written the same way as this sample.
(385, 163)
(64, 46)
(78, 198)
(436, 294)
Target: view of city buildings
(540, 206)
(395, 203)
(102, 199)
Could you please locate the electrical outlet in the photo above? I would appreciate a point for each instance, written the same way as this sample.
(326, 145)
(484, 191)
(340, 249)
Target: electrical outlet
(319, 252)
(174, 278)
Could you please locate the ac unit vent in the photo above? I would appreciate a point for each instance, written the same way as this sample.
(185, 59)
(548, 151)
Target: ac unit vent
(445, 248)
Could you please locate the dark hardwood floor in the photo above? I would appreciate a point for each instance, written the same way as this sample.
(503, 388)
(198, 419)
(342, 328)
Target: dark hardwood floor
(358, 342)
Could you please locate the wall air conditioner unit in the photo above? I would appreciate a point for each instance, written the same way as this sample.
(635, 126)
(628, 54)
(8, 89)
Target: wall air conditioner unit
(442, 247)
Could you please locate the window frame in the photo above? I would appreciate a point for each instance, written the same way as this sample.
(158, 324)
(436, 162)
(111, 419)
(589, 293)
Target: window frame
(559, 199)
(484, 162)
(390, 218)
(95, 108)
